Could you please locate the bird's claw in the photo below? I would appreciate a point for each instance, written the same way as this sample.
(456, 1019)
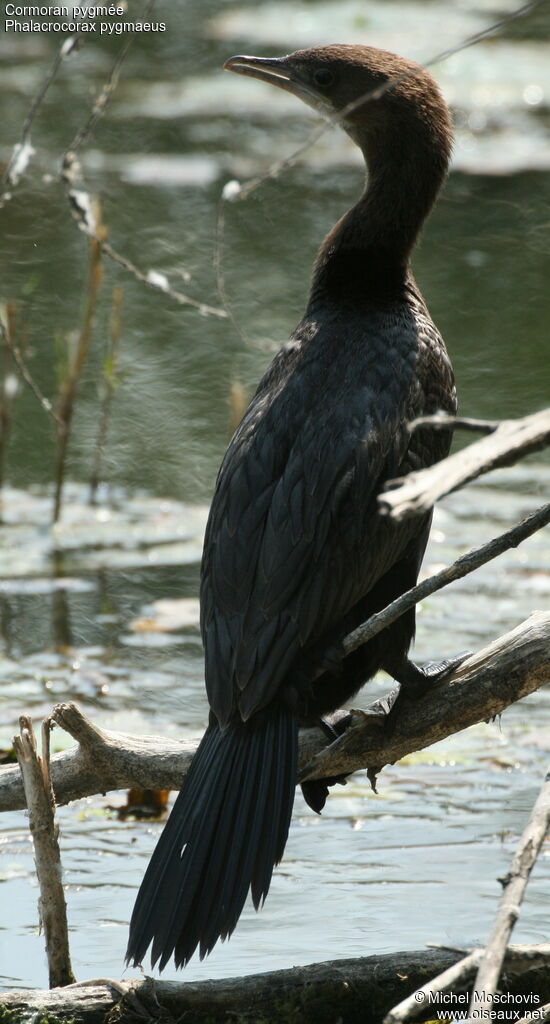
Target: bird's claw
(415, 680)
(435, 671)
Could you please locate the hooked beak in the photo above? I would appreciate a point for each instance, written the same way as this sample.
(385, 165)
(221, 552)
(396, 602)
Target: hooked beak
(277, 71)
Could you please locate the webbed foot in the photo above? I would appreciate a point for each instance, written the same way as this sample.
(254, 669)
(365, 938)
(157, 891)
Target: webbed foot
(415, 680)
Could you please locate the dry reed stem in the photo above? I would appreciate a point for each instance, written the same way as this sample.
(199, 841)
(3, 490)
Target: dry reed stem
(68, 389)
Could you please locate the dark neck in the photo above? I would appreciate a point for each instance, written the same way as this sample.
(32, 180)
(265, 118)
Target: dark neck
(366, 255)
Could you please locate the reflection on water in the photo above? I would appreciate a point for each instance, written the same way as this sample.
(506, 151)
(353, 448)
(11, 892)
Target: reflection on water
(418, 862)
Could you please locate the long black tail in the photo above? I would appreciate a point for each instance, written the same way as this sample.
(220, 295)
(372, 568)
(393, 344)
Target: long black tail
(227, 830)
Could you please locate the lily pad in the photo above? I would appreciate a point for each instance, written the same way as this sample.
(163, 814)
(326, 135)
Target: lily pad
(127, 530)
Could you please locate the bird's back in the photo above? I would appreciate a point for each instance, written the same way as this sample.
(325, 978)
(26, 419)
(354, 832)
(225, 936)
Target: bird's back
(294, 538)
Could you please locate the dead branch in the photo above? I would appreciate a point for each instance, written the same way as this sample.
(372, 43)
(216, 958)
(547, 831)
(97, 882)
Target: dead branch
(362, 988)
(40, 802)
(462, 567)
(509, 442)
(246, 188)
(23, 151)
(103, 761)
(81, 201)
(454, 982)
(483, 686)
(486, 963)
(7, 315)
(454, 979)
(441, 421)
(81, 204)
(514, 885)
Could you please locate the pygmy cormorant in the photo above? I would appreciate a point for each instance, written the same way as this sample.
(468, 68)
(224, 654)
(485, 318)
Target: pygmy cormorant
(296, 554)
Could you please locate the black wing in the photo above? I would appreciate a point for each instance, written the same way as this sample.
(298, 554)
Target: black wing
(294, 539)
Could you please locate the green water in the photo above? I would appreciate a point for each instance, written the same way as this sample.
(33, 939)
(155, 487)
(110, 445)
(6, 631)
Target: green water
(419, 862)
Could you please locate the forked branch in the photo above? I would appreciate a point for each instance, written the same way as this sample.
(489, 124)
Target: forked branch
(484, 685)
(510, 441)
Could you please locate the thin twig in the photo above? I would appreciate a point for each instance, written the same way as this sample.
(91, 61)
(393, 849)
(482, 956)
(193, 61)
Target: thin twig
(159, 282)
(235, 190)
(81, 200)
(23, 151)
(101, 102)
(6, 314)
(441, 421)
(246, 188)
(81, 203)
(514, 885)
(462, 567)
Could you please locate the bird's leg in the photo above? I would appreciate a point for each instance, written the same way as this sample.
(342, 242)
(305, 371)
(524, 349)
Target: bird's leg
(315, 791)
(335, 723)
(415, 680)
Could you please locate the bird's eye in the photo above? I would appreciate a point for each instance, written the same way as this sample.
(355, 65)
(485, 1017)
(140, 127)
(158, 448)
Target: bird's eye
(323, 77)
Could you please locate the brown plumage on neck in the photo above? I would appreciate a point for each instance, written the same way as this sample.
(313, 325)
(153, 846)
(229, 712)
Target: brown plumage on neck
(393, 110)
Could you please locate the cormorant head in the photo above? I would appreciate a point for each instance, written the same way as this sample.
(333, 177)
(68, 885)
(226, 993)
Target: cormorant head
(369, 91)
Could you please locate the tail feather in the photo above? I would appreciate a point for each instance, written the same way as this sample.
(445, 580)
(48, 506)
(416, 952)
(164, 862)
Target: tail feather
(185, 875)
(227, 837)
(227, 830)
(220, 918)
(274, 830)
(152, 912)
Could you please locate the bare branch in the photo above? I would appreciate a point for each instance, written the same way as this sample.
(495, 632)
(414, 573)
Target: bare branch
(452, 979)
(362, 988)
(7, 314)
(514, 885)
(109, 384)
(81, 203)
(462, 567)
(481, 687)
(40, 802)
(441, 421)
(487, 963)
(101, 102)
(246, 188)
(417, 493)
(81, 200)
(455, 979)
(23, 151)
(69, 385)
(506, 670)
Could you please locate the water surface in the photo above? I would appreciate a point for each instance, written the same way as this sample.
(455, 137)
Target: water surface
(418, 862)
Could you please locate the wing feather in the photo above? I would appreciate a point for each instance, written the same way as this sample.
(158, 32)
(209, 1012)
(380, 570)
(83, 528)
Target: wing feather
(294, 539)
